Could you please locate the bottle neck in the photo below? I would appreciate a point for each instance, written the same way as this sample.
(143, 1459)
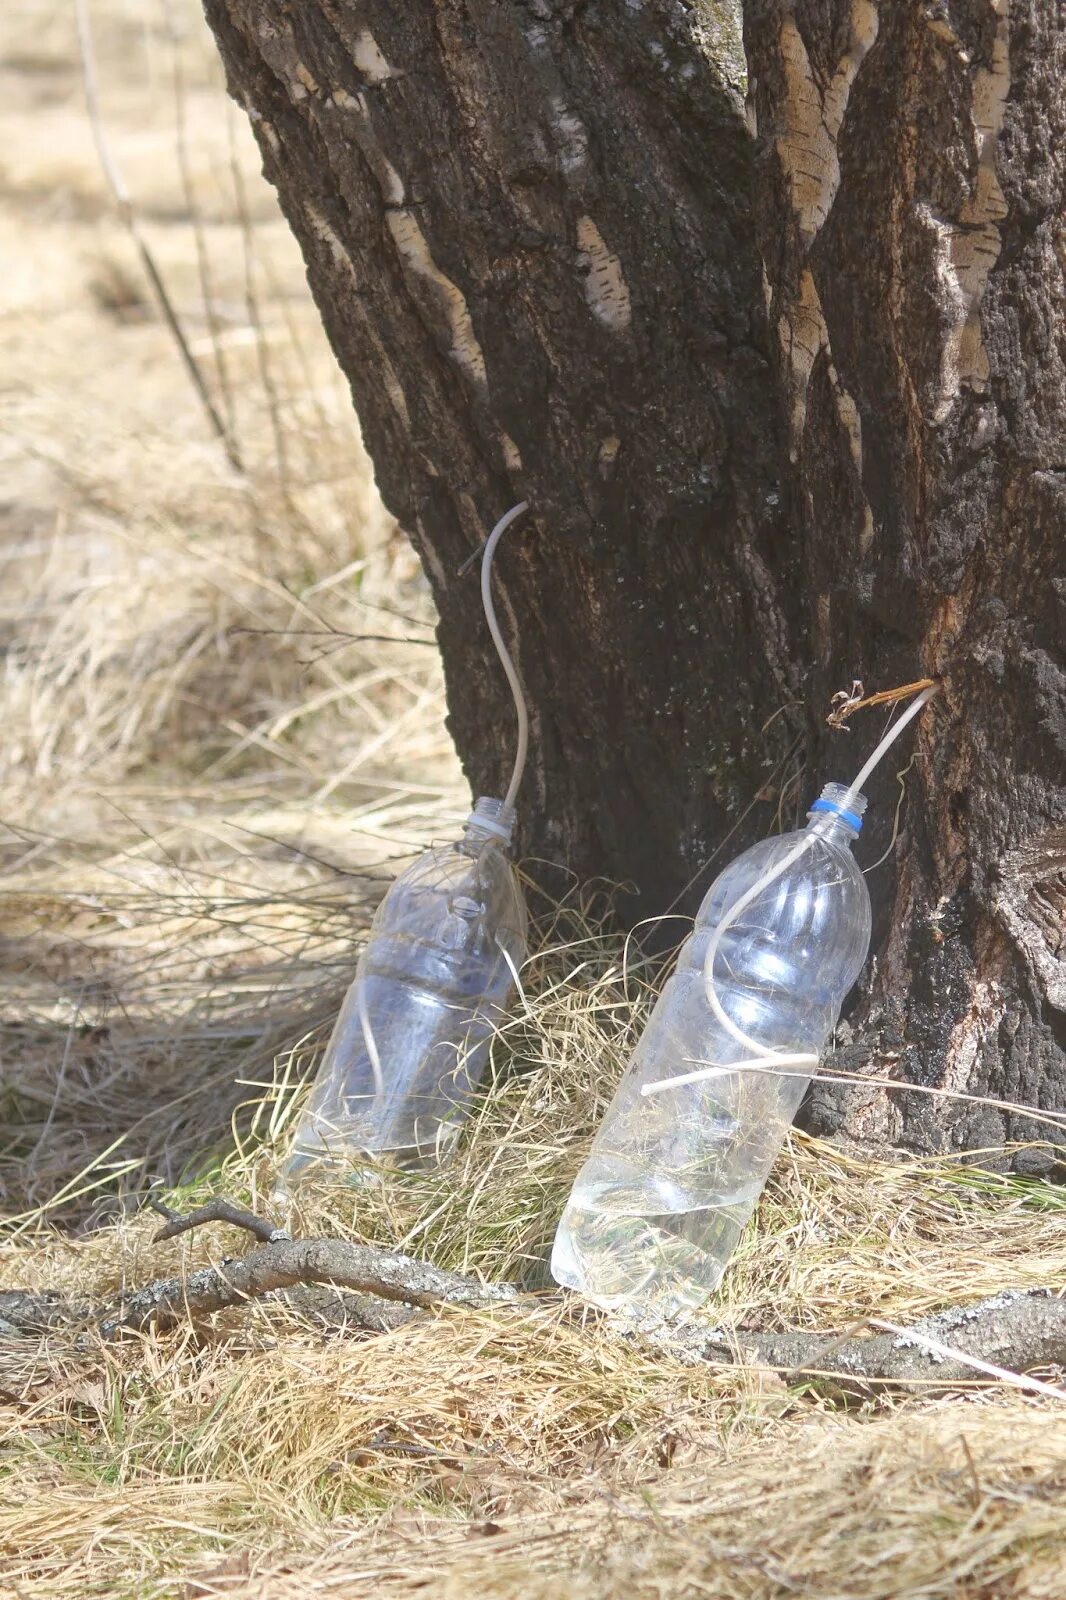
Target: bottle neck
(490, 822)
(827, 826)
(837, 813)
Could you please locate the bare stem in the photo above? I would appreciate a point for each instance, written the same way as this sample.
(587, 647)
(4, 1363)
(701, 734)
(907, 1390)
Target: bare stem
(1001, 1338)
(217, 1210)
(124, 204)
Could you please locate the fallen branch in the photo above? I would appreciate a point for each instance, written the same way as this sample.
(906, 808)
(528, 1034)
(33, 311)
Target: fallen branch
(364, 1268)
(1000, 1338)
(29, 1312)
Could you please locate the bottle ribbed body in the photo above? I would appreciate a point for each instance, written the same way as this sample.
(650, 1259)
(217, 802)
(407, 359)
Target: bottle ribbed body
(673, 1176)
(411, 1041)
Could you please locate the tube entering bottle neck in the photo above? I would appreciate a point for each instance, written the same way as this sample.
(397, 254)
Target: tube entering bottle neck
(837, 812)
(491, 819)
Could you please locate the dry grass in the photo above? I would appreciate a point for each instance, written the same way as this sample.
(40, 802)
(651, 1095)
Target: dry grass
(518, 1451)
(937, 1504)
(206, 767)
(204, 781)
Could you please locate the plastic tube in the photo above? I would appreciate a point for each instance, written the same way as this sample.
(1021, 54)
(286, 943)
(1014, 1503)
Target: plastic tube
(502, 651)
(761, 1053)
(887, 742)
(373, 1054)
(520, 755)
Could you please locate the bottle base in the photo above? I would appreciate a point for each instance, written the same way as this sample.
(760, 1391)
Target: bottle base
(665, 1264)
(360, 1169)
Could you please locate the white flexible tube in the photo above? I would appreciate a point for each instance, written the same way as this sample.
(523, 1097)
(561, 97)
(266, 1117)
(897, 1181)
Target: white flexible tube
(369, 1040)
(520, 755)
(502, 651)
(886, 743)
(761, 1053)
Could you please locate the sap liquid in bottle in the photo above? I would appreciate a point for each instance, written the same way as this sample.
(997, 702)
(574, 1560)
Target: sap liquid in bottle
(436, 977)
(688, 1140)
(672, 1177)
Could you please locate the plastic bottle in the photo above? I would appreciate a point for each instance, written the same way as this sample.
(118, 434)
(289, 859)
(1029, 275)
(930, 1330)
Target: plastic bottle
(672, 1178)
(687, 1143)
(412, 1038)
(437, 974)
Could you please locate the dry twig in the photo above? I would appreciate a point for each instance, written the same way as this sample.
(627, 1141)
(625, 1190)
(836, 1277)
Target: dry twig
(363, 1268)
(1003, 1337)
(128, 216)
(847, 701)
(217, 1210)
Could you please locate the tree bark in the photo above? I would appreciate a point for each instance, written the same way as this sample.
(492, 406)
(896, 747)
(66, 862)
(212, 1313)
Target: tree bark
(911, 186)
(763, 316)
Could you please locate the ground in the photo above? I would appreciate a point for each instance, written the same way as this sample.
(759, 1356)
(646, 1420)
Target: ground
(208, 771)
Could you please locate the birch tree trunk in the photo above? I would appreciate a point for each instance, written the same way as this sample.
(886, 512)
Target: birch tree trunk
(763, 314)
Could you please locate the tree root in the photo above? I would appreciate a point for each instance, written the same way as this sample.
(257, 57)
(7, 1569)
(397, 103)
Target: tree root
(999, 1338)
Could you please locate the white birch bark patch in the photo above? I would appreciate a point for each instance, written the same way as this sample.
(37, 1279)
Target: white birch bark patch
(606, 289)
(410, 241)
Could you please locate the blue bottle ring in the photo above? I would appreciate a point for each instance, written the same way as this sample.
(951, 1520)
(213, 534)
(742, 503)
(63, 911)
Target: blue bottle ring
(849, 817)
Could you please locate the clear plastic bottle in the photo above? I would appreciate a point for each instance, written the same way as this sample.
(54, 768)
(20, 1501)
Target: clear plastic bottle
(675, 1171)
(412, 1039)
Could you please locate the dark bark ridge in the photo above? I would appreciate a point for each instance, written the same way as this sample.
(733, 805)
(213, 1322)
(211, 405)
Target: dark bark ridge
(780, 363)
(528, 228)
(912, 183)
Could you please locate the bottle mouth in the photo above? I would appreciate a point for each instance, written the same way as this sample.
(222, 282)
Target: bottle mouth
(494, 817)
(837, 800)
